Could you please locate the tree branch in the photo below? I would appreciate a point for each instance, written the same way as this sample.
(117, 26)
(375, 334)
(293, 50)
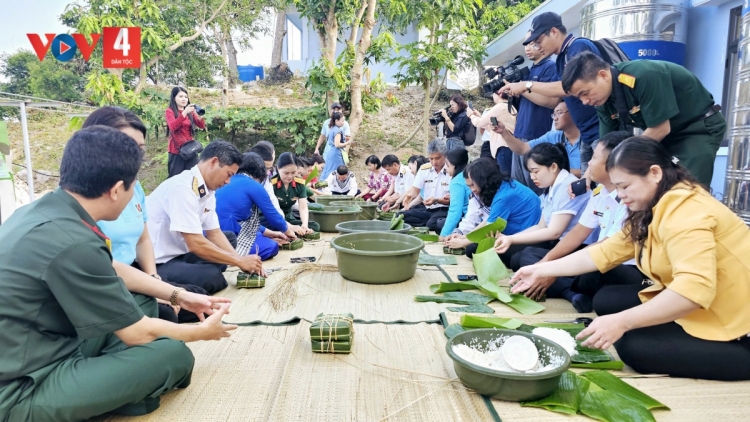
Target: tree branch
(437, 92)
(355, 25)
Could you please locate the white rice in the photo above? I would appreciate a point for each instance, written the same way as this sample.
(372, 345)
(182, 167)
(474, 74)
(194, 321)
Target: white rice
(561, 337)
(492, 357)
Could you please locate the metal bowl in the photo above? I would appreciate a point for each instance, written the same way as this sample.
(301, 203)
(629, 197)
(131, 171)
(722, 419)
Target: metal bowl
(330, 216)
(369, 226)
(377, 257)
(510, 386)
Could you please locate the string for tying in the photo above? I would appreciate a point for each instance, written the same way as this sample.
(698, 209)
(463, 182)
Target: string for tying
(331, 321)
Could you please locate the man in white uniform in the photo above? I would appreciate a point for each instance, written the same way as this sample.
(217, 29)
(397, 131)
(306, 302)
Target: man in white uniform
(435, 181)
(188, 244)
(341, 182)
(605, 213)
(402, 181)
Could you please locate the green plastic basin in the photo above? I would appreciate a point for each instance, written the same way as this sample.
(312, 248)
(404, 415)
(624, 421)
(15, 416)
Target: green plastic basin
(377, 257)
(327, 199)
(369, 209)
(510, 386)
(332, 215)
(369, 226)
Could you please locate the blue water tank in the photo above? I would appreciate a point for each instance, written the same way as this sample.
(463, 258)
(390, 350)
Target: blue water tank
(644, 29)
(250, 73)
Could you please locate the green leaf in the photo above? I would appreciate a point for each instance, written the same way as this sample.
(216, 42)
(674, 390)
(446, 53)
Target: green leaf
(453, 329)
(609, 406)
(591, 357)
(493, 290)
(615, 364)
(313, 174)
(485, 245)
(474, 297)
(613, 384)
(566, 398)
(427, 237)
(452, 287)
(487, 231)
(477, 309)
(474, 321)
(524, 305)
(425, 259)
(459, 298)
(489, 267)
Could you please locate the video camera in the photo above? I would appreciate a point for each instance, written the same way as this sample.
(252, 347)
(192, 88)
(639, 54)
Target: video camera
(199, 110)
(510, 73)
(437, 117)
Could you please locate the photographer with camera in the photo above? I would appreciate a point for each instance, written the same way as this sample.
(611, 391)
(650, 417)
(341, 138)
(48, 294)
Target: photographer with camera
(455, 118)
(182, 119)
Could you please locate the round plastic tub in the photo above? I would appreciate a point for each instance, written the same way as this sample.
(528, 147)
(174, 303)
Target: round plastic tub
(510, 386)
(369, 209)
(332, 215)
(377, 257)
(369, 226)
(327, 199)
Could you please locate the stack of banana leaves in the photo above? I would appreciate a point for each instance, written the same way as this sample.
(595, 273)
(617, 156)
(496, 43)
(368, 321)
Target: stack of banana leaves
(397, 222)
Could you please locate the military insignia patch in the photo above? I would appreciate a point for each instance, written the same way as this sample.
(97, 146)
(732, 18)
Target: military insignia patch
(195, 185)
(627, 80)
(202, 191)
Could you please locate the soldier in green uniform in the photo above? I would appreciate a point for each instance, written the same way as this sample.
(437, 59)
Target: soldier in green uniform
(664, 99)
(75, 342)
(289, 192)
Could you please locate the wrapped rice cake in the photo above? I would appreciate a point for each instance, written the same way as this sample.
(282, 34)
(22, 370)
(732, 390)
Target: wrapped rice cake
(319, 346)
(293, 245)
(332, 327)
(250, 281)
(311, 236)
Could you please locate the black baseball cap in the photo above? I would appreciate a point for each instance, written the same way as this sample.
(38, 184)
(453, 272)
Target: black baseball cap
(336, 105)
(543, 23)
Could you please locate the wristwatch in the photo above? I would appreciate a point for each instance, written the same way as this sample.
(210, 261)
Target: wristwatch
(528, 86)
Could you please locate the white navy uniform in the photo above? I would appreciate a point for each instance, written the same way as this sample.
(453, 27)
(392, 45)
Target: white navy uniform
(183, 204)
(606, 213)
(476, 214)
(403, 180)
(336, 187)
(433, 184)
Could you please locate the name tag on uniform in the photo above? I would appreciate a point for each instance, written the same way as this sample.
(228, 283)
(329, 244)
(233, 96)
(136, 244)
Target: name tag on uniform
(444, 184)
(138, 207)
(429, 181)
(206, 210)
(598, 214)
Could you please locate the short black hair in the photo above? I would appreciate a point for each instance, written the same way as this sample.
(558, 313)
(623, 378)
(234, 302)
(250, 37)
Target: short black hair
(265, 153)
(390, 160)
(227, 153)
(303, 162)
(318, 159)
(583, 67)
(253, 166)
(266, 144)
(96, 158)
(286, 159)
(116, 118)
(373, 159)
(612, 140)
(342, 170)
(563, 30)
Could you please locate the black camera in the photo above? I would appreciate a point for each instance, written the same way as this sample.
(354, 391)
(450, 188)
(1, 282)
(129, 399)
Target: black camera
(199, 110)
(437, 117)
(510, 73)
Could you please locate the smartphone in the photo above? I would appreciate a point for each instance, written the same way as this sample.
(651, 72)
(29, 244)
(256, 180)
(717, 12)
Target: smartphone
(493, 119)
(471, 106)
(302, 259)
(463, 277)
(579, 187)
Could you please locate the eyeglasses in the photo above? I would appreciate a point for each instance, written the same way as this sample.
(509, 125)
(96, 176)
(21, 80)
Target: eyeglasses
(558, 113)
(536, 42)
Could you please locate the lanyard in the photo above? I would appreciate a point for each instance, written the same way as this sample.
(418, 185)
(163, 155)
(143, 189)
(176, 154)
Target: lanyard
(99, 233)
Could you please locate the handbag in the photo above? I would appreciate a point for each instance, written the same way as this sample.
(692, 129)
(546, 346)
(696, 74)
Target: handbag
(190, 150)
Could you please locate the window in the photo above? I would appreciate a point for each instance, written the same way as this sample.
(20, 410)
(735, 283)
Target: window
(731, 64)
(293, 41)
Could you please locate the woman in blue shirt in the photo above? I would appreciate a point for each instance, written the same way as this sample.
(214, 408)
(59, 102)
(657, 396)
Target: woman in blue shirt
(549, 168)
(455, 162)
(507, 198)
(333, 154)
(239, 204)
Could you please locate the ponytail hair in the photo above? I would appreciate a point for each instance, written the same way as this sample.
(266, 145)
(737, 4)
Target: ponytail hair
(636, 156)
(335, 116)
(547, 154)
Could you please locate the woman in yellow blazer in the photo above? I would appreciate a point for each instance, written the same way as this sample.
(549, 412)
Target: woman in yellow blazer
(691, 318)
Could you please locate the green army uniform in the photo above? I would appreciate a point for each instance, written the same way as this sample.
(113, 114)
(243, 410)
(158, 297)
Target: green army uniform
(656, 91)
(288, 197)
(61, 304)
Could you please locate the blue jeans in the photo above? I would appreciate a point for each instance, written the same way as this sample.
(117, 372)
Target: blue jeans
(267, 248)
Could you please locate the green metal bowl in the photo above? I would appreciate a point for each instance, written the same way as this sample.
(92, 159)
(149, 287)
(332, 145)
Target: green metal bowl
(369, 209)
(327, 199)
(332, 215)
(510, 386)
(369, 226)
(377, 257)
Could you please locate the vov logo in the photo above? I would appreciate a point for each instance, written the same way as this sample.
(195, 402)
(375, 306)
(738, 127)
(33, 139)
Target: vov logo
(121, 46)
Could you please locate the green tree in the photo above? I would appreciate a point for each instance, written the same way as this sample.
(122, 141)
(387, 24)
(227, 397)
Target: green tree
(16, 67)
(56, 81)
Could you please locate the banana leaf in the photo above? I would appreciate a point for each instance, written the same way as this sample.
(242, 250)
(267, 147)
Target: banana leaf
(493, 290)
(452, 287)
(572, 329)
(590, 357)
(476, 309)
(477, 235)
(608, 406)
(313, 174)
(485, 245)
(476, 321)
(566, 398)
(397, 222)
(459, 298)
(613, 384)
(426, 237)
(615, 364)
(524, 305)
(489, 267)
(425, 259)
(452, 330)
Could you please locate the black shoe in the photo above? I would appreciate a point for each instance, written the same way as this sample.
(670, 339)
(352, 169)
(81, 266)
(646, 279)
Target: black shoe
(583, 304)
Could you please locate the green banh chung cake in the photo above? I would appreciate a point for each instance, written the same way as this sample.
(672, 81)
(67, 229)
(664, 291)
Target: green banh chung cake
(332, 333)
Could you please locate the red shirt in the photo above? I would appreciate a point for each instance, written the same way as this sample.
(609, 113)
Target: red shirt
(179, 129)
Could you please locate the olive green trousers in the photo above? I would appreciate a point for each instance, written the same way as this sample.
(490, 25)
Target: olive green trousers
(103, 375)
